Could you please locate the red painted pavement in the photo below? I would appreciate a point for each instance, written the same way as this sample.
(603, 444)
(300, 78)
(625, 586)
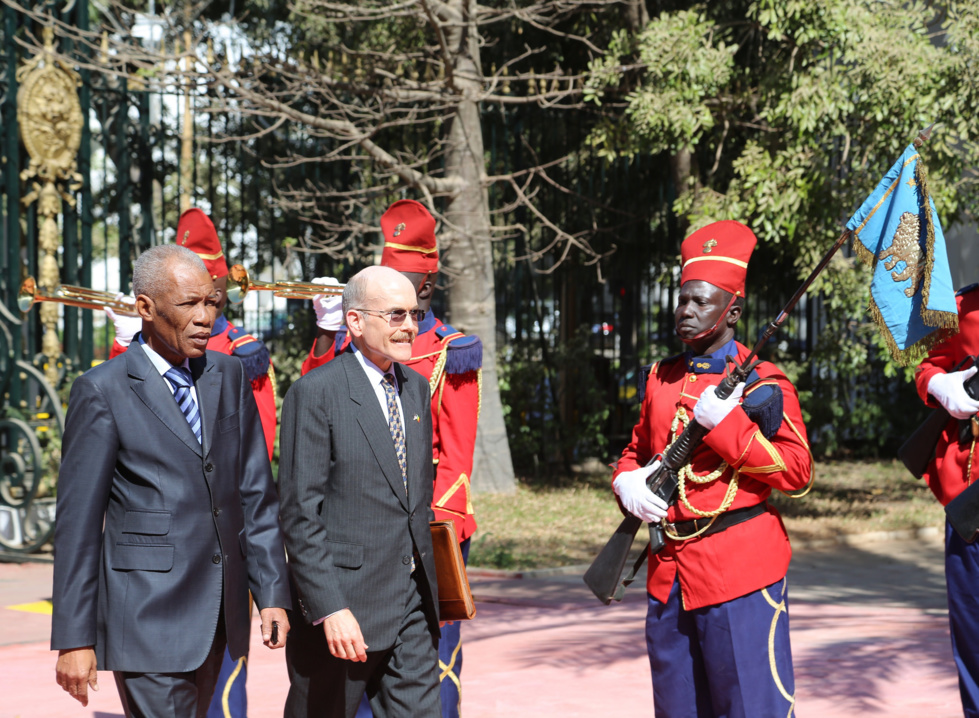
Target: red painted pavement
(868, 626)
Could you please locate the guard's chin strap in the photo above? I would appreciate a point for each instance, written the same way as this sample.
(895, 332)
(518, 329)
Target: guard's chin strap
(708, 332)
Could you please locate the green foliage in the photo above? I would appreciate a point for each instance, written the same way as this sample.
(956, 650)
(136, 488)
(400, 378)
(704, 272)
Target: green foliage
(683, 68)
(554, 406)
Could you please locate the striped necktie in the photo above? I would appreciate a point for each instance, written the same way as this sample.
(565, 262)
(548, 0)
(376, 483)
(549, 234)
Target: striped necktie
(394, 424)
(182, 381)
(397, 433)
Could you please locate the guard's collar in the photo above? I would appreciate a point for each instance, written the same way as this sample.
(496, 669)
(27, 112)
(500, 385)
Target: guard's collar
(428, 323)
(713, 363)
(220, 324)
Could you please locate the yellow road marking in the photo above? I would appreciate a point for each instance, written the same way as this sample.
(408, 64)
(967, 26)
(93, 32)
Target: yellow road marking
(43, 607)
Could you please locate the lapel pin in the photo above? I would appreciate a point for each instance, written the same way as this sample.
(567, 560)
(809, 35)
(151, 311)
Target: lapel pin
(415, 418)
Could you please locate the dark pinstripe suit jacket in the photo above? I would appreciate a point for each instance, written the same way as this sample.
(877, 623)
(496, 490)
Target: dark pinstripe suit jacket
(349, 528)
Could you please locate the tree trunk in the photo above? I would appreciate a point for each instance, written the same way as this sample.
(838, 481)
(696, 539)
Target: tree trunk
(467, 236)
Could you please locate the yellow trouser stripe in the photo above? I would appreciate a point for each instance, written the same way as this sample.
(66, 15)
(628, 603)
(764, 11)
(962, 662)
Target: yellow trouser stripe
(227, 687)
(779, 610)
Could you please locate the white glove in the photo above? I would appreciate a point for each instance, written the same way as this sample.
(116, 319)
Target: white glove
(328, 307)
(126, 327)
(636, 498)
(949, 391)
(711, 411)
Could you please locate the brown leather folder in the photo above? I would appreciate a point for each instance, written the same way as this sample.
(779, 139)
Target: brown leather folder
(455, 599)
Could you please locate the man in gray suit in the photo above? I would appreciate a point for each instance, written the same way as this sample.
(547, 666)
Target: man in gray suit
(355, 480)
(164, 447)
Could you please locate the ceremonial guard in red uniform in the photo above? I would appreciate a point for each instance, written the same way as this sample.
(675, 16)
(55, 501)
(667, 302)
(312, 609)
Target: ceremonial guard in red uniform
(717, 622)
(452, 363)
(196, 232)
(953, 469)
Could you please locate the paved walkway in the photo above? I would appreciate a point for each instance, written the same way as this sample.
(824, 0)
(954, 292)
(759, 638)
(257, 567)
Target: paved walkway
(869, 635)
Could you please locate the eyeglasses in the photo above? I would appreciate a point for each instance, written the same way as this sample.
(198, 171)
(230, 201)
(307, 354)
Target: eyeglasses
(396, 317)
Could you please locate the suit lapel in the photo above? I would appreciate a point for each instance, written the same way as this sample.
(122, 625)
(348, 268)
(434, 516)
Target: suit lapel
(375, 427)
(153, 391)
(207, 381)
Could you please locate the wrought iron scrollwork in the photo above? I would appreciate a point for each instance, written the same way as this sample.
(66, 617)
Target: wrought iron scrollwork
(31, 427)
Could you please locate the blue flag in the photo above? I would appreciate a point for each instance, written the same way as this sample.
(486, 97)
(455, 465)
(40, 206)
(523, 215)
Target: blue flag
(896, 231)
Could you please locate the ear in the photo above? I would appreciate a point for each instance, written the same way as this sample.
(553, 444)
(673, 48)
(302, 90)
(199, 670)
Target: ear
(427, 286)
(733, 315)
(355, 322)
(145, 307)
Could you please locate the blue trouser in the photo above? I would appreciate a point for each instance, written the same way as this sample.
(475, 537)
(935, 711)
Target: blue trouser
(230, 699)
(716, 661)
(450, 666)
(962, 580)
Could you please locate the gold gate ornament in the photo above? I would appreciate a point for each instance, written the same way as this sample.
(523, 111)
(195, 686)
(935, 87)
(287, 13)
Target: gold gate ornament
(49, 114)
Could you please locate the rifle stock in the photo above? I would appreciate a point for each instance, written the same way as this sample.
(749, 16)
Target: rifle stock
(605, 573)
(916, 452)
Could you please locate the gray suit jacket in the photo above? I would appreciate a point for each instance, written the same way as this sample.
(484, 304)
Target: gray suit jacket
(349, 528)
(184, 521)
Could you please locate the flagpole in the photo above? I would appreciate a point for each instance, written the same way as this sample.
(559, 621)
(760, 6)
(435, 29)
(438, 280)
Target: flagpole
(779, 320)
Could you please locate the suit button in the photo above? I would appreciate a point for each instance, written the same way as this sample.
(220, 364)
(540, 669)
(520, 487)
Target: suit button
(217, 511)
(406, 560)
(208, 467)
(216, 558)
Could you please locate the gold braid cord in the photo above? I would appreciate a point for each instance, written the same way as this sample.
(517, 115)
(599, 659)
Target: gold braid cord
(433, 381)
(686, 473)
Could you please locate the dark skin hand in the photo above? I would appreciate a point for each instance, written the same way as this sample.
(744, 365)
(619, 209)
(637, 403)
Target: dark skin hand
(698, 308)
(424, 285)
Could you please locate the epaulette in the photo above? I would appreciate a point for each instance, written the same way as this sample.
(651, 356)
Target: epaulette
(762, 403)
(254, 355)
(966, 290)
(465, 353)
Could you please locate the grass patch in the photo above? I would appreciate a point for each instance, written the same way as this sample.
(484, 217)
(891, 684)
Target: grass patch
(543, 526)
(852, 497)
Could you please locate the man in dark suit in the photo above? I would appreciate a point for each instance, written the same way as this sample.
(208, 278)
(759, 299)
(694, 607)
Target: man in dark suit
(163, 444)
(355, 480)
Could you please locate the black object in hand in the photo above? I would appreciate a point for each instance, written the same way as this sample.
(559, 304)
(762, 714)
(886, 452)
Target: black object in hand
(275, 632)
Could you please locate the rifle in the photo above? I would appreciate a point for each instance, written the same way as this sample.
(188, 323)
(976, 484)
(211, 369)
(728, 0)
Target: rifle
(604, 576)
(916, 453)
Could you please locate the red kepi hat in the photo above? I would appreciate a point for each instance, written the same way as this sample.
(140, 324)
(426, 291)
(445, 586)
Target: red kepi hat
(196, 232)
(718, 254)
(409, 238)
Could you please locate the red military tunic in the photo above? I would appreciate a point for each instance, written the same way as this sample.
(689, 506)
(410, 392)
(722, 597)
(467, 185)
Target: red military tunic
(452, 362)
(749, 555)
(954, 466)
(228, 339)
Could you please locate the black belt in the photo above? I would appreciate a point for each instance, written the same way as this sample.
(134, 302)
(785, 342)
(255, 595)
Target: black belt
(708, 526)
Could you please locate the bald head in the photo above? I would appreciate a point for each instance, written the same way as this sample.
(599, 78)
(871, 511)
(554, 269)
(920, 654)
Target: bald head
(369, 299)
(371, 284)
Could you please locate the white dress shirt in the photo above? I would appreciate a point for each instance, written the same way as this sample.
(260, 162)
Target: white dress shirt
(163, 366)
(376, 377)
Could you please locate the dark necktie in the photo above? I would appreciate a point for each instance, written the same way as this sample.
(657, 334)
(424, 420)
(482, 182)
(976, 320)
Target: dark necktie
(394, 424)
(182, 381)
